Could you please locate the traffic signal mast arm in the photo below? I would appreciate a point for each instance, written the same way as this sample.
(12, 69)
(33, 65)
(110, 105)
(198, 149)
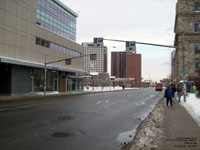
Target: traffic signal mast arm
(51, 62)
(160, 45)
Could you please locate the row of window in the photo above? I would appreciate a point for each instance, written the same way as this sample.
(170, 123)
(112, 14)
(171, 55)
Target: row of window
(56, 47)
(55, 18)
(54, 25)
(55, 30)
(49, 4)
(67, 23)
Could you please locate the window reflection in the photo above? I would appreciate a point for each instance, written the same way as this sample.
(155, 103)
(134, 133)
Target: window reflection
(53, 17)
(56, 47)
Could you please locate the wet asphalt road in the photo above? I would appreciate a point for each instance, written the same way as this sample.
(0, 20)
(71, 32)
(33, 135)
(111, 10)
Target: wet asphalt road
(101, 121)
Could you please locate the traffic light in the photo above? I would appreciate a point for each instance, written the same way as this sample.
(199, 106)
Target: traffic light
(98, 42)
(130, 46)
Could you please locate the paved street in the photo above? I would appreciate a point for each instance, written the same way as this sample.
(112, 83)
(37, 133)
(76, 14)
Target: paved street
(100, 121)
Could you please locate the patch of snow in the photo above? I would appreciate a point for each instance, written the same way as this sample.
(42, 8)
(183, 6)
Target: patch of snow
(47, 93)
(126, 137)
(192, 106)
(109, 88)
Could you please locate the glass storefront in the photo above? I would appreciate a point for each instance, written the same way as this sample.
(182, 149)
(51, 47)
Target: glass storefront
(74, 84)
(52, 80)
(37, 80)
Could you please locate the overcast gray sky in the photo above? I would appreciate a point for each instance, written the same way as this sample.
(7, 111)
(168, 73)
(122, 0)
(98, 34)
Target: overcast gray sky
(149, 21)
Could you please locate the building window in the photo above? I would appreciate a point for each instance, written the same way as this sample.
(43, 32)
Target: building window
(55, 47)
(197, 62)
(55, 18)
(198, 65)
(197, 26)
(37, 41)
(197, 48)
(93, 56)
(197, 6)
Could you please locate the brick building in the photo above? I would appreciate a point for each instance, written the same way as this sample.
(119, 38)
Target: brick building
(126, 67)
(187, 33)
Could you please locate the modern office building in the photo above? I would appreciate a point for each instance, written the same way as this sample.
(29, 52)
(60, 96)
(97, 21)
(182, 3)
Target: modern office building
(126, 67)
(186, 63)
(30, 31)
(95, 56)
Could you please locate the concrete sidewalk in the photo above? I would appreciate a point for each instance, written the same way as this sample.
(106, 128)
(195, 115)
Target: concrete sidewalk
(181, 132)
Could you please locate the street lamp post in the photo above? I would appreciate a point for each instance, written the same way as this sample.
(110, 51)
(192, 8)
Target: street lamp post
(45, 75)
(183, 59)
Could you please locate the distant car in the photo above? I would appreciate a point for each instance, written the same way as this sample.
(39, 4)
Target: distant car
(158, 87)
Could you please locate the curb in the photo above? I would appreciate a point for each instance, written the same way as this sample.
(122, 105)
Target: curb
(144, 139)
(16, 98)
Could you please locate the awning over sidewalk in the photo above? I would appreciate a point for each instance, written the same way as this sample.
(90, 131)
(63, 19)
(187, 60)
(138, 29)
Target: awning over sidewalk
(37, 65)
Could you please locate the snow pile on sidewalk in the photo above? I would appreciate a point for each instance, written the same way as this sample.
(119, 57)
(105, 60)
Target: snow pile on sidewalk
(42, 93)
(110, 88)
(149, 133)
(192, 105)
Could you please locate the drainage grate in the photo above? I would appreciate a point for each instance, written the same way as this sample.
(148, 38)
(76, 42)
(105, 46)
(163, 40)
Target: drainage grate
(67, 134)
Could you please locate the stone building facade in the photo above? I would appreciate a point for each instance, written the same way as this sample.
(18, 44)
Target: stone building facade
(187, 35)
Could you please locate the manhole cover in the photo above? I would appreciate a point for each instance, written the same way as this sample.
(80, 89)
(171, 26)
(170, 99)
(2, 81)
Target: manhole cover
(66, 135)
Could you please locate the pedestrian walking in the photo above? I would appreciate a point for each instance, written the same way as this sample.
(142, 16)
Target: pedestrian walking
(168, 95)
(179, 92)
(174, 89)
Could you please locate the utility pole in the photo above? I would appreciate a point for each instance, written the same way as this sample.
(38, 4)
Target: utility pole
(45, 75)
(183, 70)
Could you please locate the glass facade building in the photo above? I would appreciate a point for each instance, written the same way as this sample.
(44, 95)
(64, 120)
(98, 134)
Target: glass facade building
(54, 17)
(56, 47)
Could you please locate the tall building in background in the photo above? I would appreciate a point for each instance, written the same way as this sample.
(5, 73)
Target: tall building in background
(187, 33)
(126, 67)
(95, 56)
(29, 31)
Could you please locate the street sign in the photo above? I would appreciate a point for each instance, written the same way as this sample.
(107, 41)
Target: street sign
(98, 42)
(130, 46)
(184, 72)
(55, 67)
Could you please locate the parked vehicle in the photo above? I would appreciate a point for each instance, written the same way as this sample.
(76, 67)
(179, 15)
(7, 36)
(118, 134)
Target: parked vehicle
(158, 87)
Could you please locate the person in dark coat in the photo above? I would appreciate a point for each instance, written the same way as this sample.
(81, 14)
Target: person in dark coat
(168, 95)
(174, 89)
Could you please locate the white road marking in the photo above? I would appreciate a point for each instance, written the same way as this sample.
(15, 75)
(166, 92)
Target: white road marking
(152, 96)
(103, 102)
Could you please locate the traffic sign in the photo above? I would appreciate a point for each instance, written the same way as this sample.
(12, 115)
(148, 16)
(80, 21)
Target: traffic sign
(184, 72)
